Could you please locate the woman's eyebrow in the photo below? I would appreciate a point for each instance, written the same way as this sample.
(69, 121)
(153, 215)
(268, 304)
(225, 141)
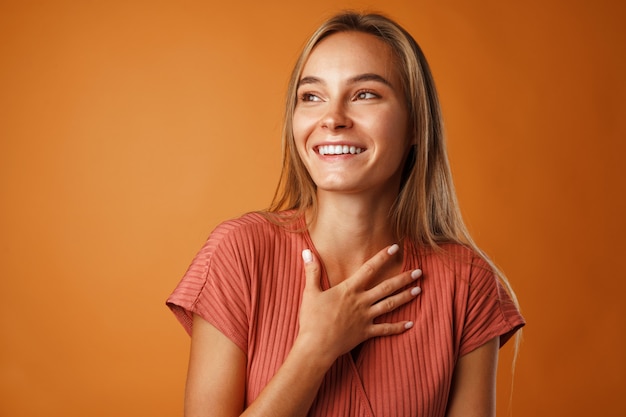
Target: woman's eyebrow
(310, 80)
(356, 79)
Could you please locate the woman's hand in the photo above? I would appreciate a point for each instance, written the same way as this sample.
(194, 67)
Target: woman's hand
(334, 321)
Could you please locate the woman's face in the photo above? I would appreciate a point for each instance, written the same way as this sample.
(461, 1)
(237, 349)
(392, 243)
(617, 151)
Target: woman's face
(350, 121)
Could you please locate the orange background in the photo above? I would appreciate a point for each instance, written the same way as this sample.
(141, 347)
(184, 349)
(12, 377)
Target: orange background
(129, 129)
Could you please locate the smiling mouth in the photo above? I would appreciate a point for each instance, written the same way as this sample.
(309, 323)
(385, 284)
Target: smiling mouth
(338, 150)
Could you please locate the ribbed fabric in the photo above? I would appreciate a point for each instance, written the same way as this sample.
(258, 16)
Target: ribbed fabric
(248, 280)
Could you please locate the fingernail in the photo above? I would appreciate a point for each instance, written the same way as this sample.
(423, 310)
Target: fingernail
(416, 291)
(408, 325)
(416, 274)
(307, 256)
(393, 249)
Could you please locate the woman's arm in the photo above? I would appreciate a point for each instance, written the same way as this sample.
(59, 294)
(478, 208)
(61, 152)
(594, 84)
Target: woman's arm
(473, 391)
(331, 323)
(217, 373)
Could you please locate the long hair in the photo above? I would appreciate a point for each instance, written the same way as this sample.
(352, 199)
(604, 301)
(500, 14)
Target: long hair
(426, 210)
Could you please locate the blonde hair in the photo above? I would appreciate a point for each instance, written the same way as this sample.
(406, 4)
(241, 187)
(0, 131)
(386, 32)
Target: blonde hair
(426, 210)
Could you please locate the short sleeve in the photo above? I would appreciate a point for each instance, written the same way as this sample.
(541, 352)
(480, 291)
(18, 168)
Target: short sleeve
(490, 311)
(216, 287)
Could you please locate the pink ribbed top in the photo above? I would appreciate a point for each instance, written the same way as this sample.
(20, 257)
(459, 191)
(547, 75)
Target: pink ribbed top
(248, 279)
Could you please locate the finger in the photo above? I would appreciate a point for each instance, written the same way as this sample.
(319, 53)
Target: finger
(390, 303)
(311, 271)
(389, 329)
(391, 285)
(371, 267)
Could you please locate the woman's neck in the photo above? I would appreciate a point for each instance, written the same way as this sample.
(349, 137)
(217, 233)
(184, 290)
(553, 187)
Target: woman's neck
(349, 230)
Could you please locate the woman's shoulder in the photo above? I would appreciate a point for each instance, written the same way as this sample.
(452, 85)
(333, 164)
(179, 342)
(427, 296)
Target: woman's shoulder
(259, 220)
(464, 253)
(447, 251)
(247, 233)
(256, 225)
(454, 258)
(247, 220)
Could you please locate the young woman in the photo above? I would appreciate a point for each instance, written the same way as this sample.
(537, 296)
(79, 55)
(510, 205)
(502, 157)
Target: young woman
(360, 292)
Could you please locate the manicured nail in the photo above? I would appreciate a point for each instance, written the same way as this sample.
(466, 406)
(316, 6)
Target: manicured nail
(416, 291)
(416, 274)
(307, 256)
(393, 249)
(408, 325)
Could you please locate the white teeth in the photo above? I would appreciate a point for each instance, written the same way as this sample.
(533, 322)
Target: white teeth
(338, 150)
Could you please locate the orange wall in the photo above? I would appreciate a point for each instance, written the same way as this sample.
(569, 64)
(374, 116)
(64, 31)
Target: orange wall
(129, 129)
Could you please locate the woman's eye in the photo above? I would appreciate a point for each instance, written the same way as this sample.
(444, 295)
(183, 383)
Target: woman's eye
(366, 95)
(309, 97)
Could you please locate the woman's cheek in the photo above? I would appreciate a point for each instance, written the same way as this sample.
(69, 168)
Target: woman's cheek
(302, 128)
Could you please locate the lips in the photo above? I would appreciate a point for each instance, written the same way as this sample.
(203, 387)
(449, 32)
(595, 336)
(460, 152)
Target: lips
(338, 150)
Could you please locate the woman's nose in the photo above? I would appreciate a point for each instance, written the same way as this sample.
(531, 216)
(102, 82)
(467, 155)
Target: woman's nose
(336, 117)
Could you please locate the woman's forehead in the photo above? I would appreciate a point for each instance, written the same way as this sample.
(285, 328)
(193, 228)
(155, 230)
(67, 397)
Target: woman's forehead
(347, 55)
